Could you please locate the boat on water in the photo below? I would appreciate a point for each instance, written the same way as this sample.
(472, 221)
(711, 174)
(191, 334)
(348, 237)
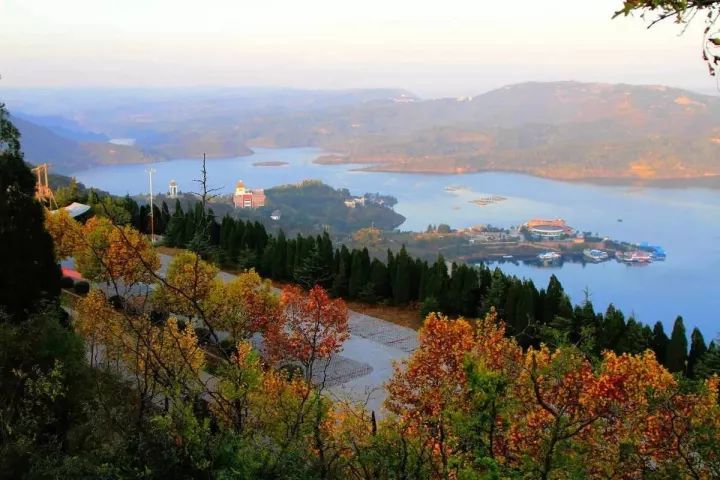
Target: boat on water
(595, 255)
(635, 256)
(656, 251)
(456, 188)
(546, 257)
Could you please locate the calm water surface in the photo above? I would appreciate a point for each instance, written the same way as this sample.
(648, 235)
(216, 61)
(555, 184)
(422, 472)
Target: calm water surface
(686, 222)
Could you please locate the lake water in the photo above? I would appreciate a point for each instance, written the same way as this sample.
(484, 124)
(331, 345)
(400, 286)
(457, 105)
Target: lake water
(686, 222)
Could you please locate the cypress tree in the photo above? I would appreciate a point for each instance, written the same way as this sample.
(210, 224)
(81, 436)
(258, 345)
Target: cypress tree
(635, 339)
(697, 350)
(356, 275)
(495, 294)
(612, 329)
(403, 277)
(279, 259)
(340, 282)
(29, 271)
(677, 348)
(709, 363)
(380, 279)
(553, 299)
(660, 343)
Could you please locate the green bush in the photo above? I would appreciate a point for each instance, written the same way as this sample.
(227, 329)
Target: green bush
(429, 305)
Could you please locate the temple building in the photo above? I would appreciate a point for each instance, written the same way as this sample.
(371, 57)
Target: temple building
(248, 198)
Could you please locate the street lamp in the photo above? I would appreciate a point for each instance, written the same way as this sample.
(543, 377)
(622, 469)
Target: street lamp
(152, 207)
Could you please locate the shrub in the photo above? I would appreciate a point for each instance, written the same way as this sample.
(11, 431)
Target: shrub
(117, 302)
(82, 287)
(203, 336)
(429, 305)
(67, 283)
(159, 318)
(227, 346)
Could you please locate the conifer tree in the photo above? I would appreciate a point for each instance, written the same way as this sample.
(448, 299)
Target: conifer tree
(357, 275)
(403, 278)
(279, 258)
(660, 343)
(697, 350)
(709, 363)
(677, 348)
(29, 271)
(380, 279)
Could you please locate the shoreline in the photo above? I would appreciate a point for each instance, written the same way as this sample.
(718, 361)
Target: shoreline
(710, 182)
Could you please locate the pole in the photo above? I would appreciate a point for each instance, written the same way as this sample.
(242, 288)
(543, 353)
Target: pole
(152, 208)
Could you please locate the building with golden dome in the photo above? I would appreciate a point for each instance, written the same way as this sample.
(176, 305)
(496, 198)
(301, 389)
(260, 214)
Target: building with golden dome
(248, 198)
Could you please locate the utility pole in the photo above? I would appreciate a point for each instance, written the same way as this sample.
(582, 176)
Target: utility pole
(152, 208)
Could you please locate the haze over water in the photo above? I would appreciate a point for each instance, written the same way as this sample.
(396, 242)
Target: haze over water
(686, 222)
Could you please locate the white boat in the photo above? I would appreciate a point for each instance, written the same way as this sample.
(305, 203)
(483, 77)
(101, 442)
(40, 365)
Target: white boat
(635, 256)
(549, 256)
(595, 255)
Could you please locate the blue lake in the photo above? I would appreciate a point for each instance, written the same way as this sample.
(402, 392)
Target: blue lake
(686, 222)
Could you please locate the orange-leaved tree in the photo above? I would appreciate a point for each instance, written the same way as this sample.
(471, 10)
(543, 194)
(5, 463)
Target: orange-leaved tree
(245, 305)
(488, 408)
(314, 328)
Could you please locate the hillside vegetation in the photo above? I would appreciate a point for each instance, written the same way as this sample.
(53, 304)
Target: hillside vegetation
(564, 130)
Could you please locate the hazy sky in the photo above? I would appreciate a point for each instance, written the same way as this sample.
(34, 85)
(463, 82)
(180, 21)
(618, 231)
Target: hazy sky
(449, 47)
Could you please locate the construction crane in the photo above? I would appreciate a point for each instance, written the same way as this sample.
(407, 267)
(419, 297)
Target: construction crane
(42, 187)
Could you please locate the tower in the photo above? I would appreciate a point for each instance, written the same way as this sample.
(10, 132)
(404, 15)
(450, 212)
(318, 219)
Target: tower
(172, 189)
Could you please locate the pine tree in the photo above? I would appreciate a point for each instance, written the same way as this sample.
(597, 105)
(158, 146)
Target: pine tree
(660, 343)
(612, 329)
(677, 348)
(279, 259)
(697, 350)
(357, 275)
(709, 363)
(29, 271)
(553, 300)
(380, 279)
(403, 278)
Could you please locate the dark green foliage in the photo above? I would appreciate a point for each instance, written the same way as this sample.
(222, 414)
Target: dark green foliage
(402, 279)
(677, 348)
(660, 343)
(82, 287)
(44, 381)
(698, 348)
(429, 305)
(709, 363)
(29, 271)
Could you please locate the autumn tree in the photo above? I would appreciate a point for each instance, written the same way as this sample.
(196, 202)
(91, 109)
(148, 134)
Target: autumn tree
(245, 305)
(314, 328)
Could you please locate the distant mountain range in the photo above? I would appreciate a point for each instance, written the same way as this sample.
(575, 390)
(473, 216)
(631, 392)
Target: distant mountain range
(563, 130)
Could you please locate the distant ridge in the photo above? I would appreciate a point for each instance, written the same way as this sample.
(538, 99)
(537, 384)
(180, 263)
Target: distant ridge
(564, 130)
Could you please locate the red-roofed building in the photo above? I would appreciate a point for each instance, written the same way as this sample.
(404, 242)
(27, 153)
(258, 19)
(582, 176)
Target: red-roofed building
(248, 198)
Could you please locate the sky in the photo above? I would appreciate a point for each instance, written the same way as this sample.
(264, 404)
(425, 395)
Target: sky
(438, 48)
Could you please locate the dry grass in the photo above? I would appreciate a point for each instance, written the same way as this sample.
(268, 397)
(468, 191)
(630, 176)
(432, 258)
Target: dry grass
(172, 251)
(406, 316)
